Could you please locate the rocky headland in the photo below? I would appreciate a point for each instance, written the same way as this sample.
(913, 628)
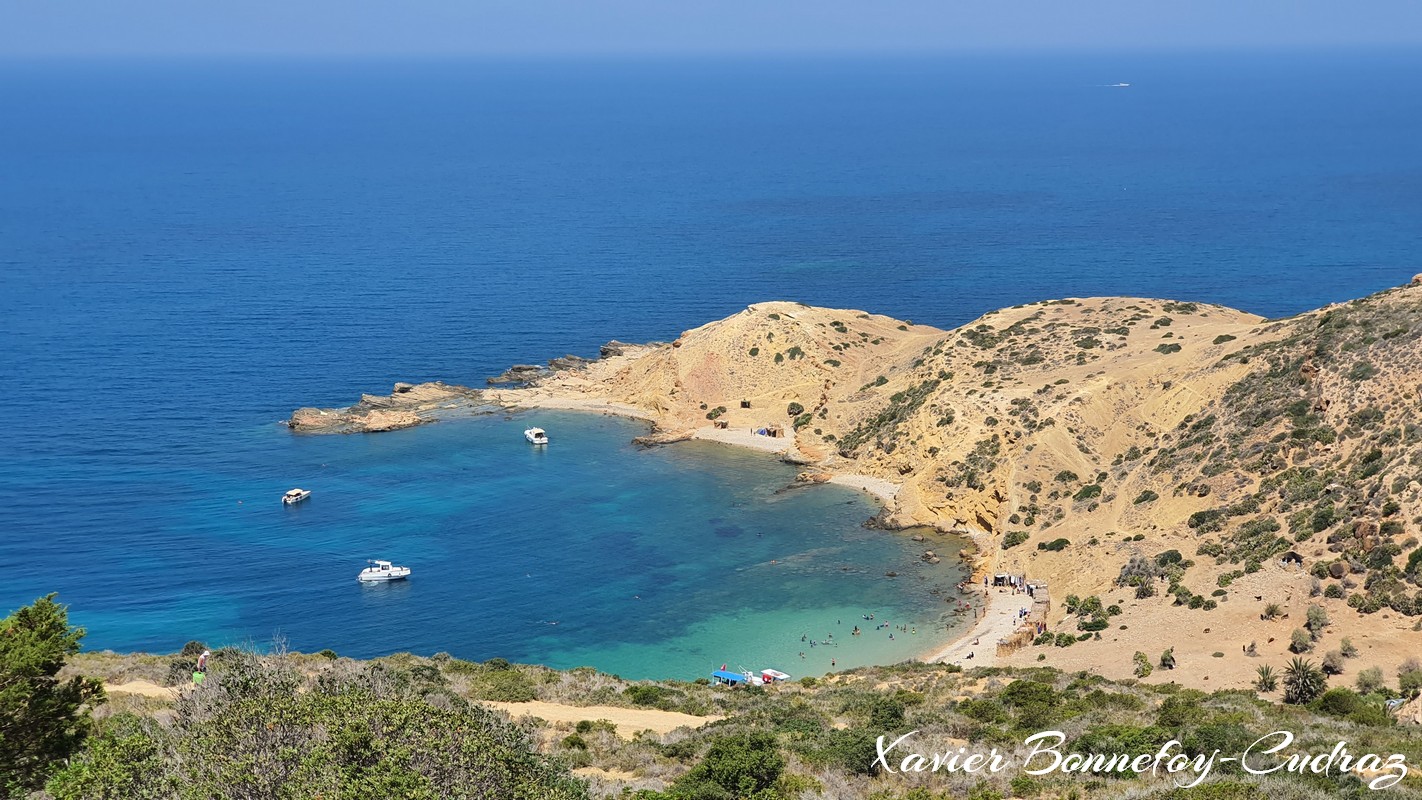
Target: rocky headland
(1191, 468)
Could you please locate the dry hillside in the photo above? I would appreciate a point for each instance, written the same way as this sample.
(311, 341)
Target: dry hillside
(1076, 437)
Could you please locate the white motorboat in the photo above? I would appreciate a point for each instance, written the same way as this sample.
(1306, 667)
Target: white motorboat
(536, 436)
(773, 676)
(295, 496)
(382, 571)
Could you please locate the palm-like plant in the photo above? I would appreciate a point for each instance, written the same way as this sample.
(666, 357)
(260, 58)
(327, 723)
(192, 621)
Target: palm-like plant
(1267, 680)
(1303, 681)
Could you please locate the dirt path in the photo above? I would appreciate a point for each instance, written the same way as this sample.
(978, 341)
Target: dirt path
(627, 720)
(145, 688)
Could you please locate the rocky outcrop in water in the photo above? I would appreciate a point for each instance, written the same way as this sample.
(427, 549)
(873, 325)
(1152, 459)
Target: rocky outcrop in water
(406, 406)
(568, 362)
(662, 437)
(518, 373)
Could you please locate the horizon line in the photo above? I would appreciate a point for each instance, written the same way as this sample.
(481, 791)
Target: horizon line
(717, 54)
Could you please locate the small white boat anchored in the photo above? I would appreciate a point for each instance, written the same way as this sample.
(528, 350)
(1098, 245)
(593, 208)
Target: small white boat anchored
(295, 496)
(536, 436)
(382, 571)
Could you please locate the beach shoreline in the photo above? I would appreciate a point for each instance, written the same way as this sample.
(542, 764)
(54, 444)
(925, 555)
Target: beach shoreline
(997, 620)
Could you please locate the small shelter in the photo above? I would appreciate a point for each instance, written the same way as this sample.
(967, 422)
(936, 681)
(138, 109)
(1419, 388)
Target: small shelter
(725, 677)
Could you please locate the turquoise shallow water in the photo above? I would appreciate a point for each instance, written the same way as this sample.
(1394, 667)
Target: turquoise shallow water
(590, 551)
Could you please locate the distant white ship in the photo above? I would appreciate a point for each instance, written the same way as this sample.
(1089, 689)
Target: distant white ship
(295, 496)
(1119, 85)
(536, 436)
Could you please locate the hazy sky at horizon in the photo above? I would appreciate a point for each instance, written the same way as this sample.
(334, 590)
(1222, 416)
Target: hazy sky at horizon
(643, 27)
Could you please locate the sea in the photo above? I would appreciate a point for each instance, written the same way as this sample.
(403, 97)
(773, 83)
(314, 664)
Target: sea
(191, 249)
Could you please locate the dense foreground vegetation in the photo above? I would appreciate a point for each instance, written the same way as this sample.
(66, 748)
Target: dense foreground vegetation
(282, 725)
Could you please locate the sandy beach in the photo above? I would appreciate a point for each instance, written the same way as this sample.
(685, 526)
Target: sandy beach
(881, 488)
(998, 621)
(539, 398)
(744, 437)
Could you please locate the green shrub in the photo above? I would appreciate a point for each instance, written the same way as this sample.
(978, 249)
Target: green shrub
(739, 765)
(574, 742)
(1266, 681)
(1014, 538)
(651, 695)
(315, 739)
(1142, 668)
(1370, 680)
(1303, 681)
(1056, 545)
(1207, 521)
(1348, 704)
(1087, 492)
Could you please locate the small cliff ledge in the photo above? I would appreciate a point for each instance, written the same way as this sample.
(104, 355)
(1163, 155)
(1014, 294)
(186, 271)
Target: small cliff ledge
(406, 406)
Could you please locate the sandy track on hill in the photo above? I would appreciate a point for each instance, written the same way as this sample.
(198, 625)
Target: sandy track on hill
(144, 688)
(627, 720)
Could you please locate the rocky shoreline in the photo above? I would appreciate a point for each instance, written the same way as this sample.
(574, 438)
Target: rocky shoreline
(409, 404)
(406, 406)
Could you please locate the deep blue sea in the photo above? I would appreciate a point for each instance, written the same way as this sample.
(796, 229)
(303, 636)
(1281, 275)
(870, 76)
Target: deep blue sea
(189, 250)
